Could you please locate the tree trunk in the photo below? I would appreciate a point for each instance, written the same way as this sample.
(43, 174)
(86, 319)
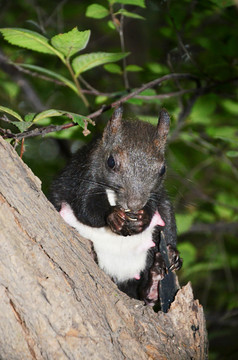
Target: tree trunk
(55, 303)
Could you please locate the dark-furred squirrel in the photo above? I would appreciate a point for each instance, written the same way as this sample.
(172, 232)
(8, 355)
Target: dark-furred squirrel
(112, 192)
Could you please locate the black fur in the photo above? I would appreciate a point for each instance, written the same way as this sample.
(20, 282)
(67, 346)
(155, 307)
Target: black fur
(138, 149)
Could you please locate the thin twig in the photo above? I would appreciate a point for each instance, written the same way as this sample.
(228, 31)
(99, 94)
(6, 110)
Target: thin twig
(22, 148)
(35, 74)
(52, 128)
(119, 28)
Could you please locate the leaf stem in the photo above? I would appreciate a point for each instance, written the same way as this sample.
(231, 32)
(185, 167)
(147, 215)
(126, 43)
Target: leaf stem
(119, 27)
(80, 93)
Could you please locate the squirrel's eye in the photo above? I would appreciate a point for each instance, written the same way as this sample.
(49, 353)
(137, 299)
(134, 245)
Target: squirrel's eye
(162, 170)
(111, 162)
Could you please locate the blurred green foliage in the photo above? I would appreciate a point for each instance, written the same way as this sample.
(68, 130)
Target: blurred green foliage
(187, 36)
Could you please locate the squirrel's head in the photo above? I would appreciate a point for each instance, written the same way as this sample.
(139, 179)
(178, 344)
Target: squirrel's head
(133, 158)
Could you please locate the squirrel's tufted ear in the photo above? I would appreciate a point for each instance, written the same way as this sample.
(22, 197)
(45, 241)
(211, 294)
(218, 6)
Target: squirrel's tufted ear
(163, 128)
(114, 123)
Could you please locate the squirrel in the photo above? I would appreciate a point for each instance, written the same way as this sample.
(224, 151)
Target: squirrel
(112, 192)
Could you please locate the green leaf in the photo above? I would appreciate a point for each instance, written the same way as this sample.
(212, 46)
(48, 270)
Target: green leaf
(52, 74)
(22, 125)
(226, 133)
(29, 117)
(113, 68)
(111, 25)
(184, 222)
(100, 99)
(11, 112)
(126, 13)
(86, 62)
(78, 119)
(70, 133)
(230, 106)
(188, 253)
(71, 42)
(224, 3)
(29, 40)
(222, 206)
(148, 92)
(140, 3)
(134, 68)
(232, 153)
(97, 11)
(151, 119)
(135, 101)
(157, 68)
(47, 114)
(203, 109)
(10, 88)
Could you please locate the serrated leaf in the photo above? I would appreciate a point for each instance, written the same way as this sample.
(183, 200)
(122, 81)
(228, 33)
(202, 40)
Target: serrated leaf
(140, 3)
(71, 42)
(22, 125)
(29, 40)
(52, 74)
(97, 11)
(47, 114)
(78, 119)
(126, 13)
(11, 112)
(86, 62)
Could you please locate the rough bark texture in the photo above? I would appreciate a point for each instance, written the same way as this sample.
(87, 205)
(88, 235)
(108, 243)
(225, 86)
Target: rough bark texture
(55, 303)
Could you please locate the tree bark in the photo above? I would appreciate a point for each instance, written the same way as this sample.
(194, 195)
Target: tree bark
(55, 302)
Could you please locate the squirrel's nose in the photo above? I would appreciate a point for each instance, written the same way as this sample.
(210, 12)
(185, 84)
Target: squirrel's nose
(135, 204)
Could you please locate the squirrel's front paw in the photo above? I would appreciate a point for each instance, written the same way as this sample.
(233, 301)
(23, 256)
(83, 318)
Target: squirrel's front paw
(136, 222)
(116, 219)
(174, 258)
(127, 223)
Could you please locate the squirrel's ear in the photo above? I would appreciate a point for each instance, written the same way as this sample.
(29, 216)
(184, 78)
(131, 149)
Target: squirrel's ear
(114, 123)
(163, 127)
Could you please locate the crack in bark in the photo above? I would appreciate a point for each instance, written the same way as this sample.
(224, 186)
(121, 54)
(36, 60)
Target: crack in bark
(4, 200)
(29, 340)
(64, 352)
(66, 276)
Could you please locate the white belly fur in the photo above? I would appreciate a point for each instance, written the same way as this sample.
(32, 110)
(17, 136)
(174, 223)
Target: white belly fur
(121, 257)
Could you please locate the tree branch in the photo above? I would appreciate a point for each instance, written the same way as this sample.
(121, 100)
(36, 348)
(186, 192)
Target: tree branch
(56, 303)
(53, 128)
